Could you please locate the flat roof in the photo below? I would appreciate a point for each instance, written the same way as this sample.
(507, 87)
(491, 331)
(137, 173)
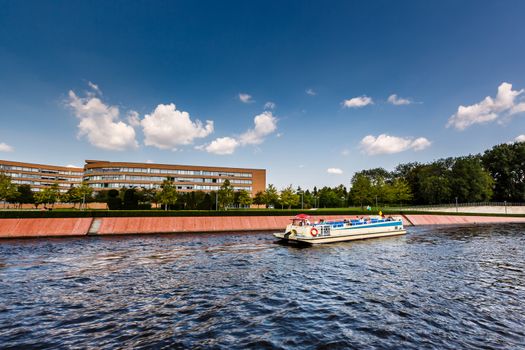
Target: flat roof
(35, 165)
(91, 162)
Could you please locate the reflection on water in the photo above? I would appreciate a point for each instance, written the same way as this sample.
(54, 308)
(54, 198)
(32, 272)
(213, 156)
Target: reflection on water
(434, 288)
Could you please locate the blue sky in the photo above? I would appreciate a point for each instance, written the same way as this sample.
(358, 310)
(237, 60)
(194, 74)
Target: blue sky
(112, 80)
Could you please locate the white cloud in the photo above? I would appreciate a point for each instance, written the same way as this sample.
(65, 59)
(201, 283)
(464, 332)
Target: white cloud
(386, 144)
(95, 87)
(345, 152)
(420, 144)
(489, 109)
(100, 123)
(4, 147)
(220, 146)
(265, 124)
(72, 166)
(245, 98)
(133, 118)
(520, 138)
(269, 105)
(311, 92)
(398, 101)
(358, 102)
(335, 171)
(167, 128)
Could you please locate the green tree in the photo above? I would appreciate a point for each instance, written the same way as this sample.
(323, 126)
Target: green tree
(433, 182)
(24, 195)
(361, 190)
(271, 196)
(131, 200)
(167, 194)
(77, 194)
(226, 195)
(400, 191)
(288, 197)
(85, 193)
(506, 165)
(113, 200)
(469, 181)
(207, 202)
(244, 199)
(48, 195)
(434, 189)
(259, 198)
(330, 197)
(7, 188)
(147, 195)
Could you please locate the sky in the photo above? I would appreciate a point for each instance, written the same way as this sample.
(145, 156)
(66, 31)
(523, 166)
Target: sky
(312, 91)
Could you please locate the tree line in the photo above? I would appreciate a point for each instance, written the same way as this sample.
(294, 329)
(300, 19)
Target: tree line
(497, 174)
(126, 198)
(23, 194)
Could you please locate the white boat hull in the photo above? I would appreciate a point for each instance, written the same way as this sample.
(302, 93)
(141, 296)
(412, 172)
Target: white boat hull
(341, 233)
(342, 238)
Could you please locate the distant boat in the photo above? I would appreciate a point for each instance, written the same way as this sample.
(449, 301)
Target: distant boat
(302, 230)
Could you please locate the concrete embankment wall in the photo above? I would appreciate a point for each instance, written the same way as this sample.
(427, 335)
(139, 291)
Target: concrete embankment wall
(15, 228)
(20, 228)
(418, 220)
(140, 225)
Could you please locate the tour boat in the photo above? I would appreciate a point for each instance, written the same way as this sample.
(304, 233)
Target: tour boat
(302, 230)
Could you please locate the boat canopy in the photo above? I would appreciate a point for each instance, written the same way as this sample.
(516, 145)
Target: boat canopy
(301, 217)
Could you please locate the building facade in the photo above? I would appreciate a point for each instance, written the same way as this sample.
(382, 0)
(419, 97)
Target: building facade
(40, 176)
(105, 175)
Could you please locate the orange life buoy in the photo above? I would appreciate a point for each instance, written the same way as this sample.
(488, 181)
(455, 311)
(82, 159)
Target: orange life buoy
(314, 231)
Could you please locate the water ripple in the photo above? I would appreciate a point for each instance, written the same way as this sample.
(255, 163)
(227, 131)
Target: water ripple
(442, 288)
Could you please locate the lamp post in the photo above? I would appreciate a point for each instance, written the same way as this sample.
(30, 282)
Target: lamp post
(216, 200)
(456, 204)
(302, 200)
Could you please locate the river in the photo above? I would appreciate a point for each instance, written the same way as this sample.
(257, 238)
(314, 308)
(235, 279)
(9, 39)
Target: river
(437, 287)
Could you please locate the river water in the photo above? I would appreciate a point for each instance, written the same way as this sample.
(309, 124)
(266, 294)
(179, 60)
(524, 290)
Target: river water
(461, 287)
